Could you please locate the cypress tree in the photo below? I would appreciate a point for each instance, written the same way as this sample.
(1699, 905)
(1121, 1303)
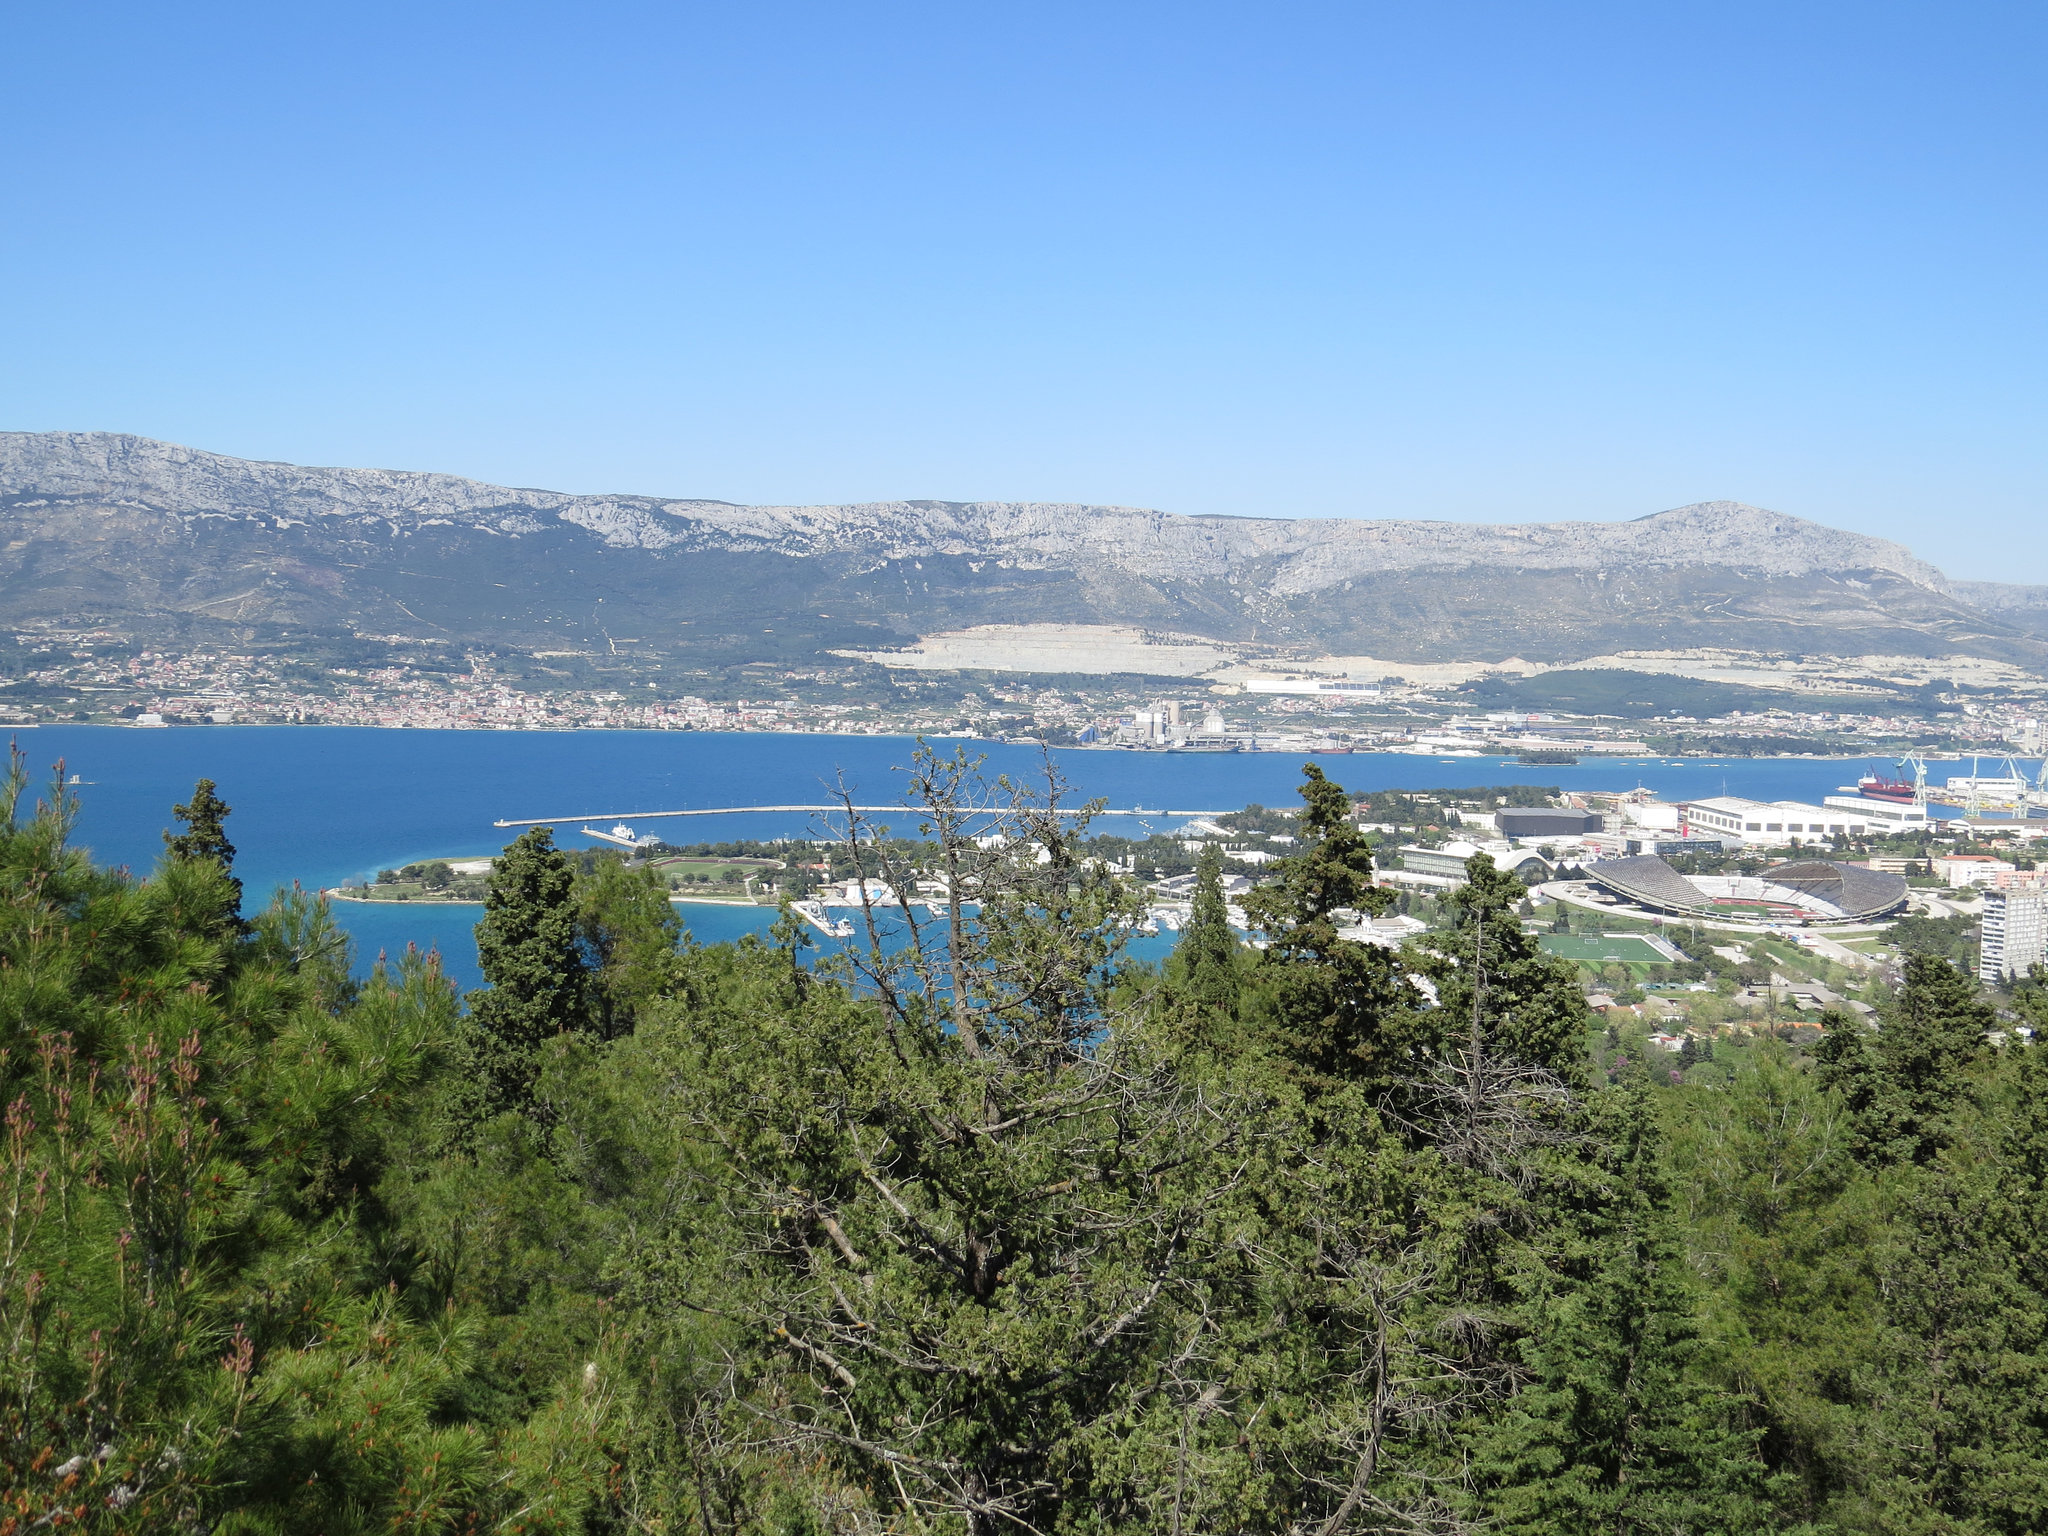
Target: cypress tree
(530, 951)
(1338, 1007)
(205, 837)
(1956, 1418)
(1783, 1224)
(629, 934)
(1954, 1429)
(1619, 1427)
(1208, 949)
(1906, 1084)
(1531, 1010)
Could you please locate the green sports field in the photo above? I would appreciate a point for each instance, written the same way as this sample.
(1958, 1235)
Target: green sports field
(1591, 948)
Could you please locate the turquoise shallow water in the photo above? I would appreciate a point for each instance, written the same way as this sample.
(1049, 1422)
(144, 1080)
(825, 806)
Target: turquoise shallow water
(326, 804)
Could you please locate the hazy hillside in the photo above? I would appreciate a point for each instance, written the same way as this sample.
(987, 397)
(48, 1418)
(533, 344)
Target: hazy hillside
(2021, 606)
(165, 539)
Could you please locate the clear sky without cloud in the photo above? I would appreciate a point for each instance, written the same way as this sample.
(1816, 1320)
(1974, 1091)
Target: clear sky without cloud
(1498, 262)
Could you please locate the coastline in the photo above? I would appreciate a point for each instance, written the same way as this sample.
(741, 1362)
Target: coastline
(339, 893)
(1508, 758)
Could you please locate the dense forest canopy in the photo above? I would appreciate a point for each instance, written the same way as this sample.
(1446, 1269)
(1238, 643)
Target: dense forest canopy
(978, 1226)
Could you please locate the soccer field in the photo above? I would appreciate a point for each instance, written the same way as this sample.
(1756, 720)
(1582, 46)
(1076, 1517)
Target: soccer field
(1626, 948)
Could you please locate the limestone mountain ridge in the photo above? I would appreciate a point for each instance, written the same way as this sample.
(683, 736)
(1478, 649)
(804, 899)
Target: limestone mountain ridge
(157, 536)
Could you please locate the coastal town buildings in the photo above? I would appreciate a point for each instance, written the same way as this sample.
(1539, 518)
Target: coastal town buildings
(103, 676)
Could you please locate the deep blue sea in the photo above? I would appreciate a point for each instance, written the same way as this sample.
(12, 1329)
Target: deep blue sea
(322, 805)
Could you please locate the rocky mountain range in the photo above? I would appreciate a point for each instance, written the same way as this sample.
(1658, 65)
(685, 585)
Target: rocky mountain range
(170, 542)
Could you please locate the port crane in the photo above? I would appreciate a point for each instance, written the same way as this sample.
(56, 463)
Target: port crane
(2008, 786)
(1918, 764)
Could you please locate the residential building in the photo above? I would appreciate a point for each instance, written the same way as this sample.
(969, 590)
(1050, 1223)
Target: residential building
(1962, 870)
(2015, 933)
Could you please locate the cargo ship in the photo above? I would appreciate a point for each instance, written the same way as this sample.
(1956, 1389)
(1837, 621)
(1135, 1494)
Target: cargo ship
(1875, 786)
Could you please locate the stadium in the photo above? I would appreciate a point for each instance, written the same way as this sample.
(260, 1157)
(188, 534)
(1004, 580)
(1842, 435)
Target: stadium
(1804, 891)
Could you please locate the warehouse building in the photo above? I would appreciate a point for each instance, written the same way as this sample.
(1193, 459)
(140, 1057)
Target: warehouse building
(1518, 822)
(1884, 816)
(1778, 823)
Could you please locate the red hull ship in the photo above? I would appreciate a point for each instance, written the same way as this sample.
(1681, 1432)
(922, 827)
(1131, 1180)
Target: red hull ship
(1871, 787)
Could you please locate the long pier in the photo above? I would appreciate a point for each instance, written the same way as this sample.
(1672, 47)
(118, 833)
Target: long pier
(752, 810)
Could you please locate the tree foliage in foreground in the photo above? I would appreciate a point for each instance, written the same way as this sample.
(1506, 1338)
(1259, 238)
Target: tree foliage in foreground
(209, 1315)
(975, 1225)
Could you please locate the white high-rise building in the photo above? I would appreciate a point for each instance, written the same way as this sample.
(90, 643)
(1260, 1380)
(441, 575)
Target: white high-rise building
(2015, 933)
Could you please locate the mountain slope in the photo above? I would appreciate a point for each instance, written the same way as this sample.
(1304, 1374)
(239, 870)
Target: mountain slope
(2024, 607)
(166, 539)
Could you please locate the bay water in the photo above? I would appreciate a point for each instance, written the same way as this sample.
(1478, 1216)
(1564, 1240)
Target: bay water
(323, 805)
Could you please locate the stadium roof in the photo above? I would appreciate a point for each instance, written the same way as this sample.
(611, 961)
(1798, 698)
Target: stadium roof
(1820, 889)
(1849, 888)
(1649, 880)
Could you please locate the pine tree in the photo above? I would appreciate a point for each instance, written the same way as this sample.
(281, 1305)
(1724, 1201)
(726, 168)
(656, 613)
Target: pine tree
(1955, 1409)
(209, 1317)
(964, 1200)
(530, 951)
(1208, 949)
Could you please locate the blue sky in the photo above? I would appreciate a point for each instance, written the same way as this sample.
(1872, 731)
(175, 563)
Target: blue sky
(1493, 262)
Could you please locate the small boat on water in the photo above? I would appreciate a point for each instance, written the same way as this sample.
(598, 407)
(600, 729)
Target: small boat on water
(622, 835)
(813, 912)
